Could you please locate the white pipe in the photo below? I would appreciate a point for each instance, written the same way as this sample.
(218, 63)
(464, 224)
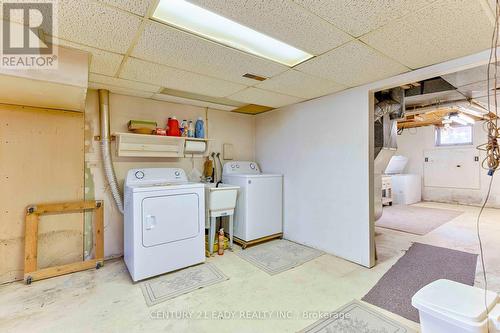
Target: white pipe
(107, 163)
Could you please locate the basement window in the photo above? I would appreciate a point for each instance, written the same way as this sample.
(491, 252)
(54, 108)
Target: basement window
(454, 136)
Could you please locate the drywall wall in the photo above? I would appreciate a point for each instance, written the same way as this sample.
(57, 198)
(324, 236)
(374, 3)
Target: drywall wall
(414, 142)
(222, 127)
(323, 149)
(41, 154)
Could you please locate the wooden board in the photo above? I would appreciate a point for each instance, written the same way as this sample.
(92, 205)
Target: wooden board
(244, 244)
(413, 120)
(33, 214)
(42, 161)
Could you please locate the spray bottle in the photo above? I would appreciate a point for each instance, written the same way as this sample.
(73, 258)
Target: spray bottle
(220, 250)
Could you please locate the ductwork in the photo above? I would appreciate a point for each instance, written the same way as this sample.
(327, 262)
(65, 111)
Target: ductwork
(386, 107)
(109, 171)
(387, 111)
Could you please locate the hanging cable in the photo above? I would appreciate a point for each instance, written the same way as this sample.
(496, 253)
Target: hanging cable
(492, 160)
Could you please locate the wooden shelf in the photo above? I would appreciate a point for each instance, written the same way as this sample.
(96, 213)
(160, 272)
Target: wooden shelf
(144, 145)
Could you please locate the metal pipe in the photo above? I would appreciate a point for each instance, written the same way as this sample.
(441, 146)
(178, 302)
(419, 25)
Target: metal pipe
(109, 170)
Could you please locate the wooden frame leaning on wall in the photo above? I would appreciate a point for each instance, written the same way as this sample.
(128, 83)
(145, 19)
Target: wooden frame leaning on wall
(33, 213)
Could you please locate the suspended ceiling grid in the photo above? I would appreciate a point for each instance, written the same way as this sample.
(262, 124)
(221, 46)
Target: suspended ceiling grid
(354, 42)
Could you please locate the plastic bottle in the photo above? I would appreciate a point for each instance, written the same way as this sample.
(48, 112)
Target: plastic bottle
(184, 128)
(199, 129)
(190, 129)
(220, 239)
(173, 127)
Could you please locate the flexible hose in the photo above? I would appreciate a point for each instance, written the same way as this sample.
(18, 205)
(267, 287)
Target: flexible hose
(107, 163)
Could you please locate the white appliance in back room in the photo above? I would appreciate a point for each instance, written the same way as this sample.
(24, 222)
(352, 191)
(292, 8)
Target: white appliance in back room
(406, 187)
(164, 222)
(259, 209)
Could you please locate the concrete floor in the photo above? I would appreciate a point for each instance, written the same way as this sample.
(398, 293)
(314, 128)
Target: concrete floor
(107, 301)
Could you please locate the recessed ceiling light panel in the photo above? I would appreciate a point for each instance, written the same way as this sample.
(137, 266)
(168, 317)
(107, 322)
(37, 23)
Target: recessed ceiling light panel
(202, 22)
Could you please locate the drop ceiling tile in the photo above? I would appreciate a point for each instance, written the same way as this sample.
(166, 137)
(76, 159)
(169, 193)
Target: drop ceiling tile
(122, 83)
(299, 84)
(169, 46)
(182, 100)
(121, 91)
(263, 97)
(445, 30)
(283, 20)
(352, 64)
(101, 62)
(173, 78)
(138, 7)
(358, 17)
(96, 25)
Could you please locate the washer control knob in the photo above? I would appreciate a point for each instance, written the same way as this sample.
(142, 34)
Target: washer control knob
(139, 174)
(233, 165)
(177, 173)
(252, 166)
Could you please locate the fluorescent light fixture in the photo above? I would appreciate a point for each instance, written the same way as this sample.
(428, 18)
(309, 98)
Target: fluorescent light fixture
(202, 22)
(465, 117)
(458, 120)
(473, 111)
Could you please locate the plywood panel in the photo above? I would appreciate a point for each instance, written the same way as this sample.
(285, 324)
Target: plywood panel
(41, 160)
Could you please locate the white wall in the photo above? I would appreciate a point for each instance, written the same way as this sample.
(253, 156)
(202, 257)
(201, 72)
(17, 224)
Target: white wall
(222, 127)
(414, 142)
(322, 147)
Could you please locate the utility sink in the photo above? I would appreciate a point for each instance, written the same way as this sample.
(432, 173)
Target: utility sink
(220, 199)
(219, 202)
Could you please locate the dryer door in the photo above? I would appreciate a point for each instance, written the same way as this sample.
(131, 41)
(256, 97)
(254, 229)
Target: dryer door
(170, 218)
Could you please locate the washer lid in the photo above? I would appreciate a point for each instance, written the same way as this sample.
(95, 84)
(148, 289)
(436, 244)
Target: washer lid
(396, 165)
(262, 175)
(453, 300)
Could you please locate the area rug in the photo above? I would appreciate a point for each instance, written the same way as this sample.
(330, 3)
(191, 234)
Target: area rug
(421, 265)
(279, 255)
(415, 219)
(171, 285)
(356, 317)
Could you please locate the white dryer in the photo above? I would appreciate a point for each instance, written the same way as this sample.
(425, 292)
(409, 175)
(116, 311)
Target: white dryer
(164, 226)
(259, 208)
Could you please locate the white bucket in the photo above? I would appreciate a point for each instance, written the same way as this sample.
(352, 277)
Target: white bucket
(450, 307)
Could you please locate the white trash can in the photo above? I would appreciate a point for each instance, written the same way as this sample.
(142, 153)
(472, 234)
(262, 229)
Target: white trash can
(450, 307)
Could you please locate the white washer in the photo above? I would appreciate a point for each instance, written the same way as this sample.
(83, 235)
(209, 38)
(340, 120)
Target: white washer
(259, 208)
(164, 222)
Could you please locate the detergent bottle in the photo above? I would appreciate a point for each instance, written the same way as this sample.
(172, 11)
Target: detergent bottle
(199, 129)
(190, 129)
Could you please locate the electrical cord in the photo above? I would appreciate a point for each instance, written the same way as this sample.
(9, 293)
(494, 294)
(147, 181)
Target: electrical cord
(483, 265)
(492, 160)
